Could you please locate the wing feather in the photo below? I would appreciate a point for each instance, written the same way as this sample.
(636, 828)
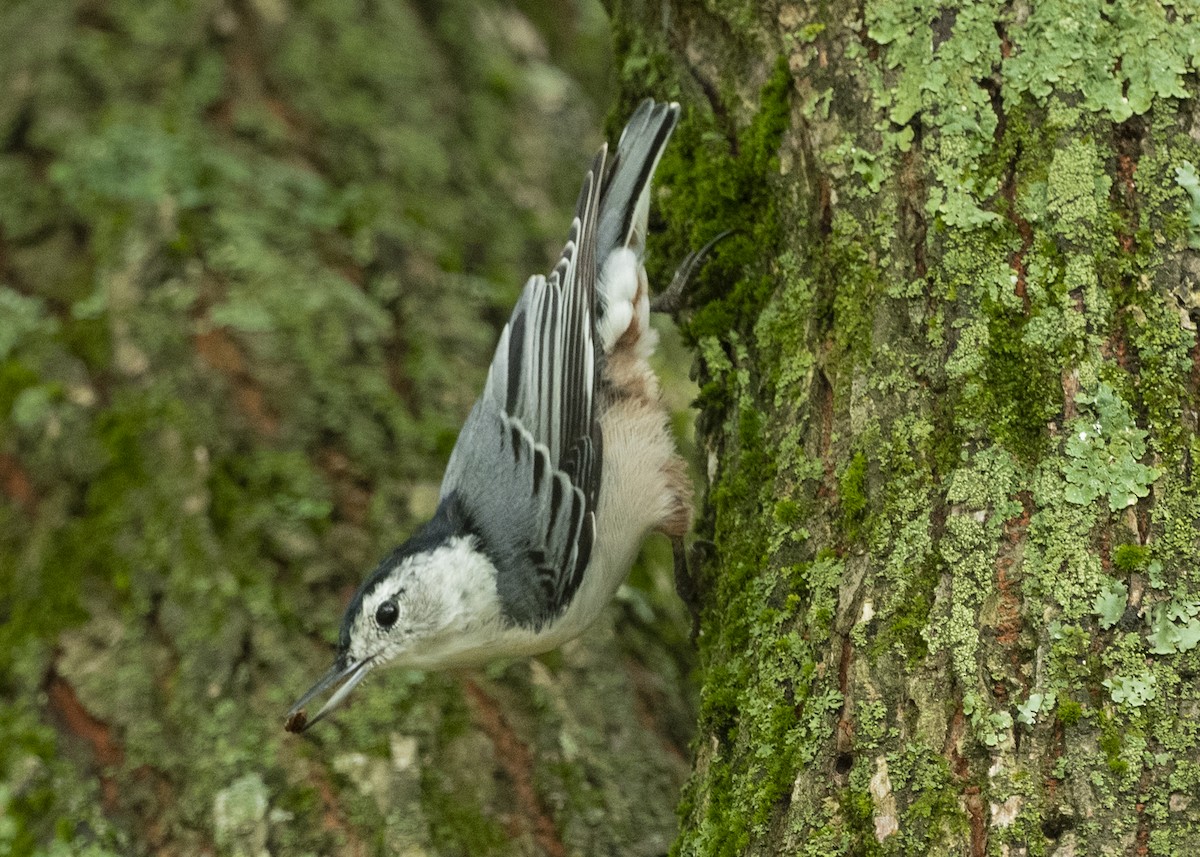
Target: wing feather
(532, 500)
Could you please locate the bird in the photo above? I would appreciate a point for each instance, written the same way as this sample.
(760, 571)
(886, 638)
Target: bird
(564, 465)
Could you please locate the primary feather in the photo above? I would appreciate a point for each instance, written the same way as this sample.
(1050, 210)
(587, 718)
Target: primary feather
(526, 467)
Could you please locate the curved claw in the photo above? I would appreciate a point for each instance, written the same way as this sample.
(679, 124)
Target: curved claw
(670, 301)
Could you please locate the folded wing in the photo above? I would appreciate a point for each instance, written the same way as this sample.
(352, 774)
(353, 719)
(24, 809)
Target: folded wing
(525, 472)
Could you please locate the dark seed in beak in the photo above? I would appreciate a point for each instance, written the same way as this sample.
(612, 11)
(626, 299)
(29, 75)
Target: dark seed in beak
(296, 722)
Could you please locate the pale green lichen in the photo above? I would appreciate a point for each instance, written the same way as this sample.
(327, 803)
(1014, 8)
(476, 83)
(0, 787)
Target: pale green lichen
(240, 817)
(1120, 63)
(1110, 604)
(1104, 453)
(1186, 178)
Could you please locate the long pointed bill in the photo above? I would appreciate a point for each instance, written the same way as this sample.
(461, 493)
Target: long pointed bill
(349, 676)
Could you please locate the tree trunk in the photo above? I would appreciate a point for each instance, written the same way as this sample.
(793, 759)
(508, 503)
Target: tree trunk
(254, 257)
(949, 373)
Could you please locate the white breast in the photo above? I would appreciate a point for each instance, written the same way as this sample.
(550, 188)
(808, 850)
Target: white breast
(634, 498)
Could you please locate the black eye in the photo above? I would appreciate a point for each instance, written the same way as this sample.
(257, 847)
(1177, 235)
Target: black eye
(386, 614)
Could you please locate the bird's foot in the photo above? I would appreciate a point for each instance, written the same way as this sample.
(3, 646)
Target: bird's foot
(672, 299)
(685, 580)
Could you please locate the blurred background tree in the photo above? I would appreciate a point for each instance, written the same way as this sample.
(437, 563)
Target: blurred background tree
(254, 256)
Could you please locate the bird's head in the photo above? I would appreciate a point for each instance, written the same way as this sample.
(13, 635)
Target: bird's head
(413, 610)
(384, 616)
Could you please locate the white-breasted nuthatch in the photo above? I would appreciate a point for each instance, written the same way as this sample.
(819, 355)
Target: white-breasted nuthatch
(563, 466)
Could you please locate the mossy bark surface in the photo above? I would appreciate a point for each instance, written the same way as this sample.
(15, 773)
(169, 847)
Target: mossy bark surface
(950, 380)
(254, 257)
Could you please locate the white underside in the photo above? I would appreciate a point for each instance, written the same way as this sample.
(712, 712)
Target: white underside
(633, 498)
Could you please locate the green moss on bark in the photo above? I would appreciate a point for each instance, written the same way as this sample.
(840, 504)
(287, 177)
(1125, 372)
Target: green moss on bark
(985, 253)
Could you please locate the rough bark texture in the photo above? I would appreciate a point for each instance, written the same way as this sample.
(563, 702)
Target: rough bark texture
(950, 375)
(254, 256)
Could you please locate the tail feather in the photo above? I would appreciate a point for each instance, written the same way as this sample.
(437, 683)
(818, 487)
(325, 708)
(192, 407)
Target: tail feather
(625, 197)
(621, 290)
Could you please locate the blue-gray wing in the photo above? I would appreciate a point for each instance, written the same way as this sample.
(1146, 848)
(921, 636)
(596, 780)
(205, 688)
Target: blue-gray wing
(526, 468)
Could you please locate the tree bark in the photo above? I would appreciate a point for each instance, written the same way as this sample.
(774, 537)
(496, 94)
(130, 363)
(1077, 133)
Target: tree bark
(949, 372)
(254, 257)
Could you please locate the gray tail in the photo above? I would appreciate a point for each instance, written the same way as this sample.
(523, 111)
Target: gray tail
(625, 195)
